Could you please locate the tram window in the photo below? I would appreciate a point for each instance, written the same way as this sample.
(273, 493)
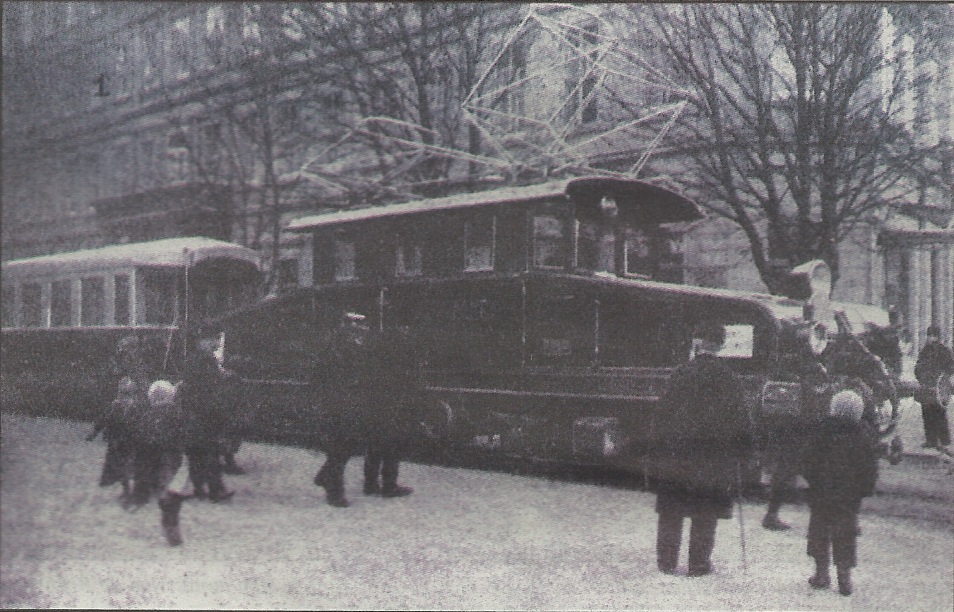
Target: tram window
(549, 241)
(61, 303)
(121, 300)
(344, 258)
(32, 305)
(407, 256)
(739, 341)
(93, 302)
(595, 248)
(9, 304)
(638, 253)
(159, 293)
(479, 244)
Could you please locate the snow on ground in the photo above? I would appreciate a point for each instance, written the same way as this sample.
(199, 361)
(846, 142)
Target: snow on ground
(466, 539)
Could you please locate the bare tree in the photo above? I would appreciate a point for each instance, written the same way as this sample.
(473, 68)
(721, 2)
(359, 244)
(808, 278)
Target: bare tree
(408, 66)
(797, 130)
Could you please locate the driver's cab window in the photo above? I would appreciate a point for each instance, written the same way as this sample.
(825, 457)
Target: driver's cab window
(551, 240)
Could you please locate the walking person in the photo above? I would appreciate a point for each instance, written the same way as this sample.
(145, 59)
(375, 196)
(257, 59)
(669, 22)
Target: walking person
(700, 437)
(202, 390)
(396, 396)
(934, 362)
(342, 382)
(153, 421)
(841, 467)
(118, 464)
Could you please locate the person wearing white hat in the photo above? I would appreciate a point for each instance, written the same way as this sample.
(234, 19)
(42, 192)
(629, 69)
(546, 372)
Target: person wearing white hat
(841, 468)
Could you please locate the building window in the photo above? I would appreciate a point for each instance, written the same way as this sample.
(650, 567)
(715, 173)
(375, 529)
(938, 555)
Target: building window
(32, 305)
(344, 257)
(549, 240)
(61, 303)
(9, 305)
(408, 256)
(93, 301)
(121, 300)
(181, 52)
(479, 235)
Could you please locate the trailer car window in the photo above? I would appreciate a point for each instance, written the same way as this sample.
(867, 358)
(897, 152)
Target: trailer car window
(93, 301)
(61, 303)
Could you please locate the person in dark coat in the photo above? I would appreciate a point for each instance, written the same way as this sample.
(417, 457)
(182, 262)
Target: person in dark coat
(202, 392)
(342, 382)
(118, 464)
(841, 467)
(699, 437)
(934, 361)
(396, 395)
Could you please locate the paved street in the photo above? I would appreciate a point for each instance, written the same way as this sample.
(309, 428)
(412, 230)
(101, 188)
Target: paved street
(467, 539)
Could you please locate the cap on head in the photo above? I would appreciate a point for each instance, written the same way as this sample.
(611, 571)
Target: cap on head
(353, 317)
(847, 404)
(712, 332)
(934, 331)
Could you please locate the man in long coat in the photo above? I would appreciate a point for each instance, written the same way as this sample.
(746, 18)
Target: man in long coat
(700, 437)
(396, 393)
(203, 403)
(342, 384)
(934, 361)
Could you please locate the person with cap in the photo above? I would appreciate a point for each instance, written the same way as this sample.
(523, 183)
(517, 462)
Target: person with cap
(396, 395)
(699, 437)
(342, 382)
(202, 400)
(841, 468)
(934, 361)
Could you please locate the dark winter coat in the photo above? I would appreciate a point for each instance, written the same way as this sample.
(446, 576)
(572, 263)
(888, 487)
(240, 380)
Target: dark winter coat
(700, 435)
(395, 390)
(934, 360)
(202, 395)
(841, 461)
(342, 381)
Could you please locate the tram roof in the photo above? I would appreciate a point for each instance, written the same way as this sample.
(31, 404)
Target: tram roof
(666, 206)
(164, 253)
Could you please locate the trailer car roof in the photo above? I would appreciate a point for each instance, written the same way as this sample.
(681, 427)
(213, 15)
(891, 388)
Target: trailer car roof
(167, 253)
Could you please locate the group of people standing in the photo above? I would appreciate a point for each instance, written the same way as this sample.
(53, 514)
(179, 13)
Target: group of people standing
(369, 384)
(152, 425)
(702, 440)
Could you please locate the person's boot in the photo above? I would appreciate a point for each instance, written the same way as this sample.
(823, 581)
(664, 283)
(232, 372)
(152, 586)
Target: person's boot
(396, 491)
(321, 479)
(230, 467)
(372, 487)
(844, 580)
(821, 579)
(337, 499)
(170, 507)
(773, 523)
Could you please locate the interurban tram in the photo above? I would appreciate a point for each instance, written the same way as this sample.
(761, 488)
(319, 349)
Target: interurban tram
(551, 317)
